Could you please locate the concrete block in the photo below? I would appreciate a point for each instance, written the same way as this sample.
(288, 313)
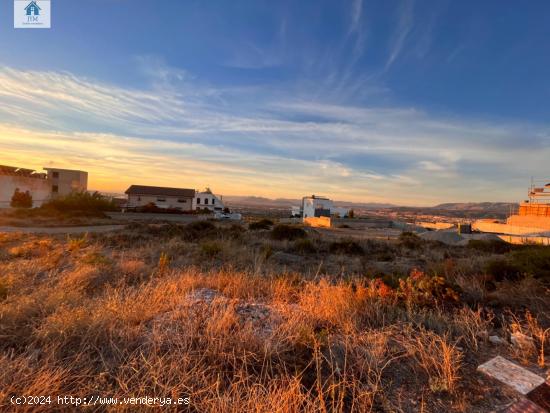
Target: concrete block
(520, 379)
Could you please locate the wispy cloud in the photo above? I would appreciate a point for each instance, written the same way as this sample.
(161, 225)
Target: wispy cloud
(260, 142)
(356, 13)
(405, 20)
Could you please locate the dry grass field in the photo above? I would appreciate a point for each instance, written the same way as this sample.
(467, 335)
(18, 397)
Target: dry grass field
(253, 318)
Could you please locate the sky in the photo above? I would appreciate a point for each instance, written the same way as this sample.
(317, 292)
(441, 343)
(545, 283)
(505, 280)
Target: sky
(402, 101)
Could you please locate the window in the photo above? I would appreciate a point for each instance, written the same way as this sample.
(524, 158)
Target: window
(198, 201)
(55, 189)
(161, 199)
(205, 201)
(182, 201)
(55, 174)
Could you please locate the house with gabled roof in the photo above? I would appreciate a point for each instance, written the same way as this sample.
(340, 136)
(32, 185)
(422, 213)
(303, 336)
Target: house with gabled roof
(162, 197)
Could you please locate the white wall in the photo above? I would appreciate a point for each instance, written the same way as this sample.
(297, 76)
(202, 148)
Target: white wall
(213, 201)
(68, 180)
(170, 201)
(38, 188)
(311, 204)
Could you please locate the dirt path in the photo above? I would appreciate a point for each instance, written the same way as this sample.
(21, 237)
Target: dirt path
(62, 230)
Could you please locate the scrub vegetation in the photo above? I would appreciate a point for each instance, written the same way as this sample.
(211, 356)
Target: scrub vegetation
(268, 319)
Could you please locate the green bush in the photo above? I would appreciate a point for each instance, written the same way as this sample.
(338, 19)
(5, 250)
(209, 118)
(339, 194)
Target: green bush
(262, 224)
(282, 232)
(85, 203)
(21, 199)
(502, 269)
(410, 240)
(211, 249)
(304, 246)
(347, 247)
(199, 230)
(534, 261)
(490, 246)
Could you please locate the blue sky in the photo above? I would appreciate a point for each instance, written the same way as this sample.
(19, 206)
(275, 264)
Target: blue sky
(411, 102)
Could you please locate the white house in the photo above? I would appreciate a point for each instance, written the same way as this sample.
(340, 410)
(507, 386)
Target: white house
(167, 198)
(208, 200)
(318, 206)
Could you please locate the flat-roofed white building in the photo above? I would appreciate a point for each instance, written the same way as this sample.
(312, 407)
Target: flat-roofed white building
(65, 181)
(315, 206)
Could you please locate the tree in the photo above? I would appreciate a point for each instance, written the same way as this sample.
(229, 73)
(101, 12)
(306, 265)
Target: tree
(351, 213)
(21, 199)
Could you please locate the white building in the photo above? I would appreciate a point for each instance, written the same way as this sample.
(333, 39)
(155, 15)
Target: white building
(162, 197)
(65, 181)
(41, 186)
(318, 206)
(208, 200)
(23, 180)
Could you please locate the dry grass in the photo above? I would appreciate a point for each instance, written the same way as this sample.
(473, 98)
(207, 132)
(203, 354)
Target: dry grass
(171, 317)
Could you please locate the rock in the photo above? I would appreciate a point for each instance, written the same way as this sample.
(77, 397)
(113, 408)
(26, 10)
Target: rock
(496, 340)
(522, 341)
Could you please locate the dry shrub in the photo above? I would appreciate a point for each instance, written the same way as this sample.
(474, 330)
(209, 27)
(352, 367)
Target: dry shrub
(231, 339)
(527, 293)
(27, 375)
(77, 243)
(133, 270)
(437, 357)
(531, 338)
(472, 326)
(331, 305)
(211, 249)
(31, 249)
(420, 288)
(87, 279)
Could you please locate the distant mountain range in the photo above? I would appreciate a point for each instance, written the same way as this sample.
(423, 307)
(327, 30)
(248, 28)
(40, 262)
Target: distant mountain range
(477, 206)
(465, 209)
(256, 201)
(462, 207)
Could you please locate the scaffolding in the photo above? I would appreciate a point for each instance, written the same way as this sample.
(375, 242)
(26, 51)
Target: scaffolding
(538, 204)
(539, 191)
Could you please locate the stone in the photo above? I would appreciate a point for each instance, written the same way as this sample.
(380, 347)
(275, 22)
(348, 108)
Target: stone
(496, 340)
(517, 377)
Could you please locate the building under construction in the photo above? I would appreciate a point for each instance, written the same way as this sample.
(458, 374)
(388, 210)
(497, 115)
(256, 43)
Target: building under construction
(533, 217)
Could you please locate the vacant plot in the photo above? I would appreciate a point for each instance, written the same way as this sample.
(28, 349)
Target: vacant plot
(266, 319)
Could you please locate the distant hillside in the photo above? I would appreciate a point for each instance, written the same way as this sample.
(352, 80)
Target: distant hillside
(466, 209)
(476, 206)
(256, 201)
